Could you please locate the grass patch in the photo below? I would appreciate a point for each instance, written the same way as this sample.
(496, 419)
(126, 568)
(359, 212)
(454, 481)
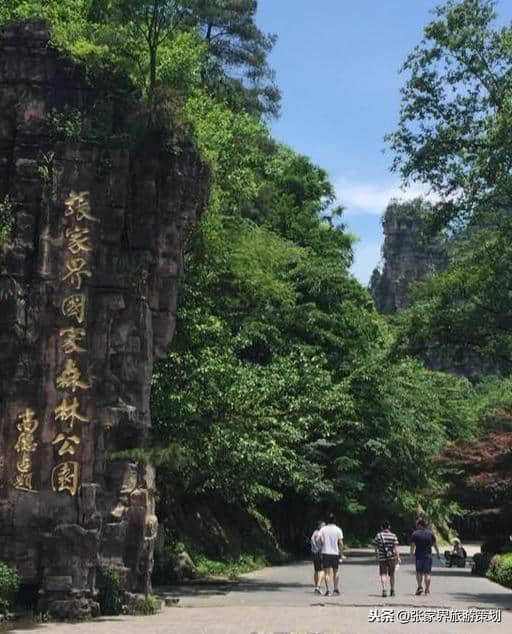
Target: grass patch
(358, 542)
(245, 563)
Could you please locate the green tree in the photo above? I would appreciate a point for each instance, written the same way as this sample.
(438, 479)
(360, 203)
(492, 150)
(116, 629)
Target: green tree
(478, 470)
(455, 116)
(235, 41)
(468, 307)
(454, 134)
(406, 415)
(151, 22)
(242, 403)
(282, 389)
(136, 35)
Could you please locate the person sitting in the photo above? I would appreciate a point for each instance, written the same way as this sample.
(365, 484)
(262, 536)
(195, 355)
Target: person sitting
(456, 556)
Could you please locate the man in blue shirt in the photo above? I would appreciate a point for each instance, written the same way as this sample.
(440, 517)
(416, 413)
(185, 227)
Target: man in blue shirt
(422, 541)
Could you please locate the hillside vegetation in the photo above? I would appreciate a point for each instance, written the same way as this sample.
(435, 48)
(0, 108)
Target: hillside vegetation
(285, 393)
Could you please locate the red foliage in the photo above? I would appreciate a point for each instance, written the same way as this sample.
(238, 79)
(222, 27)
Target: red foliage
(490, 453)
(483, 466)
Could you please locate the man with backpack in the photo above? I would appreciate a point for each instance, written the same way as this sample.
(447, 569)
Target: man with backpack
(386, 552)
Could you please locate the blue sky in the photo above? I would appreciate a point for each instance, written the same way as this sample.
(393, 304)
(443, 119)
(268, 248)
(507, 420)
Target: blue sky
(337, 65)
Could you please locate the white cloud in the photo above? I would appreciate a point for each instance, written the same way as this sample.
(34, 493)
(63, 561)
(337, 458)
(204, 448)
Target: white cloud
(372, 198)
(367, 256)
(361, 199)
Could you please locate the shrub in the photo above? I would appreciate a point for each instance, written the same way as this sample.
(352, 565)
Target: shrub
(66, 125)
(149, 606)
(9, 586)
(139, 605)
(493, 567)
(6, 219)
(45, 167)
(500, 569)
(481, 562)
(173, 564)
(111, 593)
(494, 544)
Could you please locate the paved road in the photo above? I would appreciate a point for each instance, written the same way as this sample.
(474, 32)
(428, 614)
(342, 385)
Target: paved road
(280, 600)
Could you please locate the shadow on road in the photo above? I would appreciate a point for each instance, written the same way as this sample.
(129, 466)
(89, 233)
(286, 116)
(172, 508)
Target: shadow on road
(244, 585)
(359, 561)
(452, 572)
(194, 590)
(264, 585)
(484, 598)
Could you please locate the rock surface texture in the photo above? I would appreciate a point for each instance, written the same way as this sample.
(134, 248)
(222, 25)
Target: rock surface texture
(87, 302)
(407, 258)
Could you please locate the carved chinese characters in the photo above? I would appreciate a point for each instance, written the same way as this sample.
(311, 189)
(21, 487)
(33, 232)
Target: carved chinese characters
(65, 477)
(70, 377)
(25, 447)
(78, 206)
(74, 306)
(71, 338)
(78, 240)
(70, 412)
(76, 272)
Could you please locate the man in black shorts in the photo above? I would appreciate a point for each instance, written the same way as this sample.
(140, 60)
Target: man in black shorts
(317, 556)
(330, 539)
(386, 551)
(422, 541)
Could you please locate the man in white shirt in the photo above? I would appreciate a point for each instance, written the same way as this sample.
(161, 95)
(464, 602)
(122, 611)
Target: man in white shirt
(330, 540)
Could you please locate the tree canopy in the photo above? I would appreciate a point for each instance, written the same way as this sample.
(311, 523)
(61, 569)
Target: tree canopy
(284, 390)
(454, 135)
(144, 39)
(455, 112)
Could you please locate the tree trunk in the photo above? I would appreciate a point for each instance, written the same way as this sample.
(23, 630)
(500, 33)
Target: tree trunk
(152, 79)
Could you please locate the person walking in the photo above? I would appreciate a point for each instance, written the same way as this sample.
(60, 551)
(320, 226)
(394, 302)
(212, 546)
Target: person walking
(422, 542)
(317, 556)
(330, 540)
(386, 552)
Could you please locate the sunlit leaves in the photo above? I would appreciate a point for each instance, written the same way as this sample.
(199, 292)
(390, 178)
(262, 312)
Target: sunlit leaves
(453, 132)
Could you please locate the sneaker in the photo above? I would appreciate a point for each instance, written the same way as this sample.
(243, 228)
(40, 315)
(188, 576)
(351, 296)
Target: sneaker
(384, 593)
(392, 593)
(419, 591)
(336, 592)
(317, 590)
(327, 593)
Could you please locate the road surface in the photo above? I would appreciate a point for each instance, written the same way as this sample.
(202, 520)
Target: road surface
(280, 600)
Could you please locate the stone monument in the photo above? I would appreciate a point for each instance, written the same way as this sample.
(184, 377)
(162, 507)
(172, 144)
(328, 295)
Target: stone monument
(88, 282)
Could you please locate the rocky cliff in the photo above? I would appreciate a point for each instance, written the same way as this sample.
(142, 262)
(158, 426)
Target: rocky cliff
(407, 256)
(88, 278)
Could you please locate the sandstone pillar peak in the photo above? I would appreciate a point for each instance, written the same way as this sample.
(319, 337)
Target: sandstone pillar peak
(87, 302)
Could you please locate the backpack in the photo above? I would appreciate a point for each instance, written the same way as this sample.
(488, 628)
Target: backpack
(388, 549)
